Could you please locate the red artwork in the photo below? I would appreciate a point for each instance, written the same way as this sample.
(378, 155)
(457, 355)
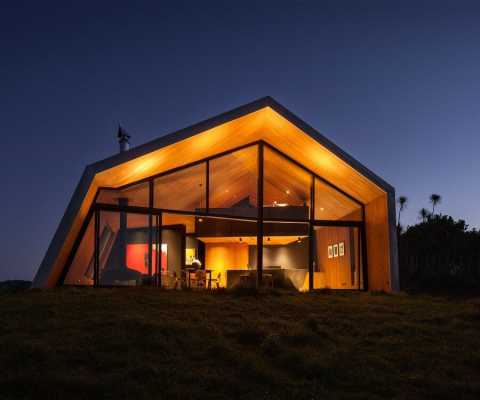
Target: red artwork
(137, 257)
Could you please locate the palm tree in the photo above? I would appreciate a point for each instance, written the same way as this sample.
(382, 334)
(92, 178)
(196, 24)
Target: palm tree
(402, 202)
(424, 214)
(435, 199)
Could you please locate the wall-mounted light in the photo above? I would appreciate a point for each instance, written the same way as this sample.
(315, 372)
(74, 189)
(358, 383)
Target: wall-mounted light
(287, 191)
(200, 220)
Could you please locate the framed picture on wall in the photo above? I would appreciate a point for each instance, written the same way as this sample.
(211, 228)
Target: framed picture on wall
(330, 251)
(335, 250)
(341, 249)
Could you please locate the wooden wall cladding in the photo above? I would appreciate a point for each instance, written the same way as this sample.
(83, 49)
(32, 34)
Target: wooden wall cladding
(340, 272)
(220, 257)
(378, 244)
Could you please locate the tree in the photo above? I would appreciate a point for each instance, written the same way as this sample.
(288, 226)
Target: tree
(424, 214)
(435, 199)
(440, 253)
(402, 203)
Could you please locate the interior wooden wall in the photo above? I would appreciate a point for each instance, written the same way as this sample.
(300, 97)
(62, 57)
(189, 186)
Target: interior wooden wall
(222, 256)
(336, 271)
(378, 244)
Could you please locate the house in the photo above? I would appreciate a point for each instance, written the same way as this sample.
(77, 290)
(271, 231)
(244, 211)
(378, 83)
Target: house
(251, 196)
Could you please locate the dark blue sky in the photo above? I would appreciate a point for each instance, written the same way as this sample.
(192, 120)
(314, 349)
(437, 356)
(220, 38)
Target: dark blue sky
(396, 84)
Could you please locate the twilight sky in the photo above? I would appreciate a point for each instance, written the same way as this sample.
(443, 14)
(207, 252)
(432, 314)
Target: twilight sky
(396, 84)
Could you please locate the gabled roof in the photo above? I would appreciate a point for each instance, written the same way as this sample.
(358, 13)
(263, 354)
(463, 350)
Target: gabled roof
(263, 119)
(225, 117)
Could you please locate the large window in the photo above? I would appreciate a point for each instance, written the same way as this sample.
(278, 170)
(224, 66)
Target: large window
(330, 204)
(285, 255)
(230, 250)
(216, 232)
(287, 187)
(81, 268)
(183, 190)
(233, 183)
(124, 249)
(134, 195)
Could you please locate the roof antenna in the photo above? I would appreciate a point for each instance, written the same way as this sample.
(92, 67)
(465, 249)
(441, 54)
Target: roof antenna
(123, 139)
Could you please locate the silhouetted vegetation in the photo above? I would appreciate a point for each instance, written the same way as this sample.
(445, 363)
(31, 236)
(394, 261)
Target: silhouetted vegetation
(435, 199)
(402, 204)
(439, 253)
(14, 286)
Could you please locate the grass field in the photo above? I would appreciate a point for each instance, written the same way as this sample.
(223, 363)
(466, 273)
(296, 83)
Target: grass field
(148, 344)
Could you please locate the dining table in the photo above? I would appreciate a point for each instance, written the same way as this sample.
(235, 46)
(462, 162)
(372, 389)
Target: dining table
(190, 271)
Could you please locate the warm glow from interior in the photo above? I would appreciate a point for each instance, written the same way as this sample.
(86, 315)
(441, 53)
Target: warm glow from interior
(264, 124)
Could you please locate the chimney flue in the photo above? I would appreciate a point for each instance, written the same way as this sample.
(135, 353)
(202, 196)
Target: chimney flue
(123, 139)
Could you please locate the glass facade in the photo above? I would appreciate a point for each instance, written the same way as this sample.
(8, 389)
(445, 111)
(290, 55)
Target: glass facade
(332, 205)
(287, 188)
(200, 229)
(183, 190)
(124, 257)
(81, 268)
(134, 195)
(234, 182)
(229, 251)
(286, 255)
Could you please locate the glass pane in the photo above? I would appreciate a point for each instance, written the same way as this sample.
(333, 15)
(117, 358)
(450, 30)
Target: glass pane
(135, 195)
(123, 250)
(233, 183)
(81, 269)
(333, 205)
(285, 255)
(286, 192)
(337, 258)
(230, 248)
(174, 249)
(182, 190)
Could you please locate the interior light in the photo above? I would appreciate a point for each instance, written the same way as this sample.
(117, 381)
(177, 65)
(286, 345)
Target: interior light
(200, 220)
(287, 191)
(299, 240)
(322, 209)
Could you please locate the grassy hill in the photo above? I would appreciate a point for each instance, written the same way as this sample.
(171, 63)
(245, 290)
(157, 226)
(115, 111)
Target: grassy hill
(147, 344)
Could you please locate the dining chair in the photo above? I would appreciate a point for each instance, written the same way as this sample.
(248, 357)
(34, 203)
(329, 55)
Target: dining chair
(200, 279)
(215, 281)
